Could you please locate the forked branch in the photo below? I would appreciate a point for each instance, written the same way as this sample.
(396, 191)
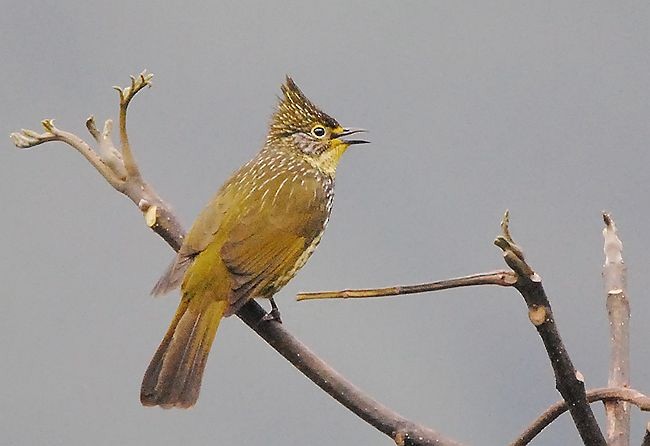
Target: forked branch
(607, 395)
(568, 381)
(119, 168)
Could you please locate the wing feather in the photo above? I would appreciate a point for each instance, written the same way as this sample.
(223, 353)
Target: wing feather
(265, 245)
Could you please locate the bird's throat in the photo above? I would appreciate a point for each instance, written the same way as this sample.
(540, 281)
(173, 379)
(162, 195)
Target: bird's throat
(329, 159)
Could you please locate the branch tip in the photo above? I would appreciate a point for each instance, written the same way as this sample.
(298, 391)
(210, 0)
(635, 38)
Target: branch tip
(607, 218)
(48, 124)
(92, 128)
(613, 246)
(27, 138)
(512, 253)
(108, 128)
(137, 84)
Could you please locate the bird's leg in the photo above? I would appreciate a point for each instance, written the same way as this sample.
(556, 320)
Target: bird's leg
(274, 314)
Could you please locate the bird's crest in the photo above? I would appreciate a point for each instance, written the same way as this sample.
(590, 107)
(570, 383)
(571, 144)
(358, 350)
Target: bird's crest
(296, 113)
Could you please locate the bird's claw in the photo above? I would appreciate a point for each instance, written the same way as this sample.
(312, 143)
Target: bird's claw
(273, 315)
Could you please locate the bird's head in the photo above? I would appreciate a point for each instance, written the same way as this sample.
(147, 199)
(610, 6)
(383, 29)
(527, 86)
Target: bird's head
(299, 124)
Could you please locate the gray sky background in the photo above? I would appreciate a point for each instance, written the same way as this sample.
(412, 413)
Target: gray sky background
(472, 107)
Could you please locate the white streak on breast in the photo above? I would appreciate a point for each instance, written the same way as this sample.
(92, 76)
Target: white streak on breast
(278, 191)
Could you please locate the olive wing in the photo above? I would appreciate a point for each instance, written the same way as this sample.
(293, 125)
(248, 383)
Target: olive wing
(268, 243)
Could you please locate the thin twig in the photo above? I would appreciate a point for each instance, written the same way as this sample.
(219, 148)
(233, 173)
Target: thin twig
(105, 147)
(160, 218)
(26, 139)
(618, 312)
(568, 381)
(607, 395)
(502, 278)
(126, 94)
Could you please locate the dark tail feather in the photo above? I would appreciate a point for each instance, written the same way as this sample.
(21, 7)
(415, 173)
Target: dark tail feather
(173, 378)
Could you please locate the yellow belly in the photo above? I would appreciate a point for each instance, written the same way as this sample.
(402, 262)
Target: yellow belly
(284, 279)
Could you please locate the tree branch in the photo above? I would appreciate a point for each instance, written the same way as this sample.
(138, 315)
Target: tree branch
(618, 311)
(568, 381)
(502, 278)
(402, 431)
(126, 94)
(120, 170)
(607, 395)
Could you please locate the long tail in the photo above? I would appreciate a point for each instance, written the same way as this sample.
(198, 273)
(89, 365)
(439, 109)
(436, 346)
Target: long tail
(173, 379)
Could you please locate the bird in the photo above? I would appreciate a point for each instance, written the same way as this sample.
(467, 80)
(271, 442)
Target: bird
(250, 239)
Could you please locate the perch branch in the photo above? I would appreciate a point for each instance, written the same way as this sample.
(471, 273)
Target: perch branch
(120, 170)
(618, 312)
(402, 431)
(502, 278)
(568, 381)
(607, 395)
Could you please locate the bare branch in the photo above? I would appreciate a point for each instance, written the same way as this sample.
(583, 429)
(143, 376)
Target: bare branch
(126, 94)
(105, 147)
(112, 167)
(618, 311)
(502, 278)
(568, 381)
(402, 431)
(28, 138)
(607, 395)
(161, 219)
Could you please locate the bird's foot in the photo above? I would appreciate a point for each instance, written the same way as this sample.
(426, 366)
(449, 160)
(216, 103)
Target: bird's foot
(274, 314)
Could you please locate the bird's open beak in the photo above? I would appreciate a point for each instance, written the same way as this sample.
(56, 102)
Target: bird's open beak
(348, 132)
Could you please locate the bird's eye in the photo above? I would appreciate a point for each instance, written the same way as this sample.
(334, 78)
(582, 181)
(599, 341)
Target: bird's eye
(318, 131)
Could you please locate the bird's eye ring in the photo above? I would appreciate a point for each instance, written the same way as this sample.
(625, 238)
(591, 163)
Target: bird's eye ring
(318, 131)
